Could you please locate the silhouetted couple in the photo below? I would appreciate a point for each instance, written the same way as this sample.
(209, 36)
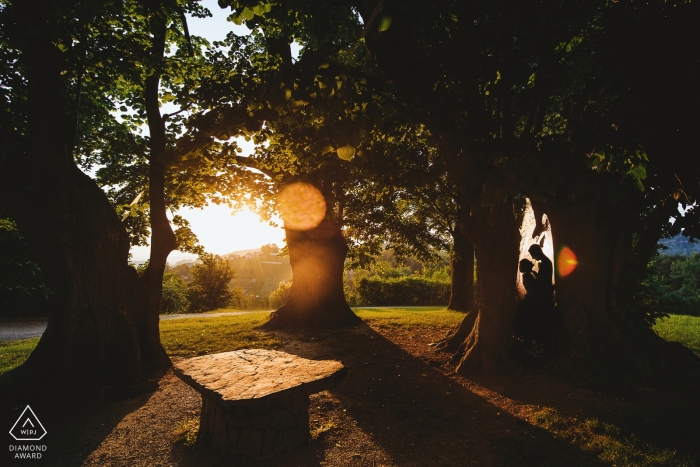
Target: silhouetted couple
(536, 320)
(538, 285)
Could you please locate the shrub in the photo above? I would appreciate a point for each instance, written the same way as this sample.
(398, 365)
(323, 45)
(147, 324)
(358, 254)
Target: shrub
(209, 289)
(22, 289)
(673, 286)
(404, 291)
(174, 299)
(243, 300)
(279, 297)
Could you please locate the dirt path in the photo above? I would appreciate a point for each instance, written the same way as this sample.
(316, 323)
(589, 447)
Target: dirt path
(19, 330)
(400, 405)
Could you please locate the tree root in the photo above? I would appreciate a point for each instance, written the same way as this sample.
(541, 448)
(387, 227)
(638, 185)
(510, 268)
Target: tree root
(456, 337)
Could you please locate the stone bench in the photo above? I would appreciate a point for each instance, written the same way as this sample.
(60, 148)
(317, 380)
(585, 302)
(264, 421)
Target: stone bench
(256, 402)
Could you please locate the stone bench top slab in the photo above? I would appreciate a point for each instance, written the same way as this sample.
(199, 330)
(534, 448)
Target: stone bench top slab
(254, 378)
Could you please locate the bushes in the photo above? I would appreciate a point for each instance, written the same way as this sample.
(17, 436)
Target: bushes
(243, 300)
(209, 288)
(279, 297)
(404, 291)
(22, 289)
(673, 286)
(174, 299)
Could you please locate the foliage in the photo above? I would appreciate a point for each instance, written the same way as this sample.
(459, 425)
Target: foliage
(22, 289)
(246, 300)
(672, 286)
(186, 432)
(384, 268)
(279, 297)
(174, 298)
(209, 288)
(403, 291)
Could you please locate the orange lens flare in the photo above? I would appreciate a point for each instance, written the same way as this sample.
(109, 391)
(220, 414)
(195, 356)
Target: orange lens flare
(302, 206)
(566, 261)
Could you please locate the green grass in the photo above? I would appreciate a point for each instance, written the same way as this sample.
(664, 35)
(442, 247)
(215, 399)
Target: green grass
(432, 317)
(199, 336)
(606, 441)
(681, 328)
(187, 337)
(236, 310)
(14, 353)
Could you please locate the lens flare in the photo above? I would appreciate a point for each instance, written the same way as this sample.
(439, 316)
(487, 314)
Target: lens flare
(302, 206)
(566, 261)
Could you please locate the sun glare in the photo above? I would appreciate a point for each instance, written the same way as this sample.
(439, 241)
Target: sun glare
(301, 206)
(566, 261)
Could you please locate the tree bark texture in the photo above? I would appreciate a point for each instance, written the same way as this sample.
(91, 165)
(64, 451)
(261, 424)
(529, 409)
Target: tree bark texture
(461, 272)
(482, 340)
(586, 295)
(316, 299)
(162, 237)
(79, 242)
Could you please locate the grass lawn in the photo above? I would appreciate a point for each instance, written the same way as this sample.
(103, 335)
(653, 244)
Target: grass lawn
(187, 337)
(14, 353)
(681, 328)
(430, 316)
(198, 336)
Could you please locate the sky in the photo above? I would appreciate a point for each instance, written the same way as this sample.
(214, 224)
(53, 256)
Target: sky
(218, 230)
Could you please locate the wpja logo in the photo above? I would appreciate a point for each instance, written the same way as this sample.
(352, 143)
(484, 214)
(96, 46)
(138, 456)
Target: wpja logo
(28, 428)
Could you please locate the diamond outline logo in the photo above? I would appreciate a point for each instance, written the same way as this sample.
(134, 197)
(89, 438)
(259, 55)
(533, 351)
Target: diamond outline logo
(28, 419)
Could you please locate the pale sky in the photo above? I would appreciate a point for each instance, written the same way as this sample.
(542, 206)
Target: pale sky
(218, 230)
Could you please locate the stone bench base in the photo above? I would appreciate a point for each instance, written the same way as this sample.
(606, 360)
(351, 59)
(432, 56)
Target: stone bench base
(261, 435)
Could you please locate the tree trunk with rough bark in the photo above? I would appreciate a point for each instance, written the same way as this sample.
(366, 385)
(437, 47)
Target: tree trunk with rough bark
(481, 342)
(461, 272)
(584, 295)
(81, 246)
(162, 236)
(316, 299)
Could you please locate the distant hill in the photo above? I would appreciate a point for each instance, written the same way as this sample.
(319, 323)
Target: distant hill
(678, 245)
(241, 252)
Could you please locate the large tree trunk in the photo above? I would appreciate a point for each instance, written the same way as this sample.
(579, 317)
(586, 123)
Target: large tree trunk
(79, 242)
(316, 299)
(599, 341)
(461, 272)
(585, 295)
(162, 236)
(482, 340)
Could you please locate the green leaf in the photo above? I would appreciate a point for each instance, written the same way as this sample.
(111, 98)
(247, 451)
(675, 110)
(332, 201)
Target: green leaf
(247, 14)
(639, 184)
(384, 23)
(638, 172)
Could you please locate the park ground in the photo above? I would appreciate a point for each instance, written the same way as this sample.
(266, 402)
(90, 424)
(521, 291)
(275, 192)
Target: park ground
(401, 404)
